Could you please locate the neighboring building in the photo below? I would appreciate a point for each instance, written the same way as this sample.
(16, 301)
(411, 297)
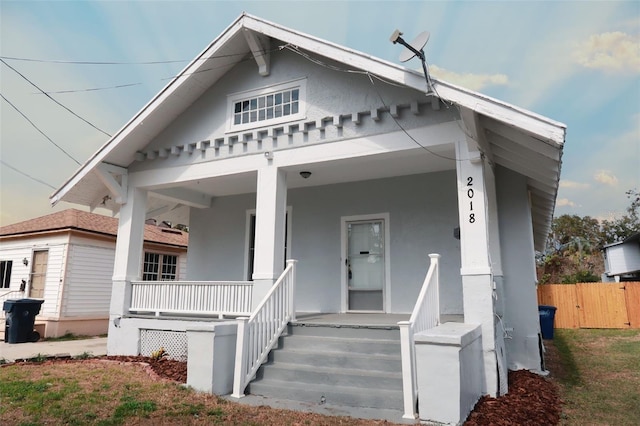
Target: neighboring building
(66, 258)
(622, 259)
(284, 145)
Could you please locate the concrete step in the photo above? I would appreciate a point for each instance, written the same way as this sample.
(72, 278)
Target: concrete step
(339, 395)
(353, 361)
(339, 344)
(369, 332)
(333, 376)
(343, 365)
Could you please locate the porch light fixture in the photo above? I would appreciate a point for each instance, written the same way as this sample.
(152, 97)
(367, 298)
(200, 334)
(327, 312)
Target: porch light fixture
(305, 174)
(25, 261)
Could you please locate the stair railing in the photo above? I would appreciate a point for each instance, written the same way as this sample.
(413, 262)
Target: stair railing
(425, 315)
(11, 294)
(260, 332)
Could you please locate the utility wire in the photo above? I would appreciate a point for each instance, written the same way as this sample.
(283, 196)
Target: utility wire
(133, 63)
(24, 174)
(57, 61)
(371, 77)
(38, 129)
(50, 97)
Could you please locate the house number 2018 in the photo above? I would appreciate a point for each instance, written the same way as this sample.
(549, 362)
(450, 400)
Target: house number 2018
(470, 193)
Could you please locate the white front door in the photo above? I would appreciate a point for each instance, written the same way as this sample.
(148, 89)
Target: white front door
(365, 265)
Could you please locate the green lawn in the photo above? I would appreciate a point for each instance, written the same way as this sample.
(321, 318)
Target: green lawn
(600, 384)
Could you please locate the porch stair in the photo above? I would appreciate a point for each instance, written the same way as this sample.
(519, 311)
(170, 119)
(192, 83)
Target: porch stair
(354, 366)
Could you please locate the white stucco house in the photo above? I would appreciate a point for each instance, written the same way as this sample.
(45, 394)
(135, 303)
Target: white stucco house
(286, 146)
(66, 259)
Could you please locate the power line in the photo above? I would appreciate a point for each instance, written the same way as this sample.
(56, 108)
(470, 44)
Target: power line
(24, 174)
(38, 129)
(50, 97)
(120, 86)
(57, 61)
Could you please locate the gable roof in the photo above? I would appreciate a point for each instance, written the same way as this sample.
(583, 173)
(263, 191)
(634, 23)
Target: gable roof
(73, 219)
(515, 136)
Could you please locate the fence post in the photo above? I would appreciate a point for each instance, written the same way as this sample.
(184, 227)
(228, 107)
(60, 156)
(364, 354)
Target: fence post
(239, 367)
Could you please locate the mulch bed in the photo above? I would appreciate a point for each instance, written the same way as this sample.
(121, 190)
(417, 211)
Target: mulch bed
(532, 400)
(165, 368)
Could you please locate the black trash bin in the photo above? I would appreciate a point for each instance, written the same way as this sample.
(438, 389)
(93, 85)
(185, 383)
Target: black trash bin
(547, 316)
(20, 318)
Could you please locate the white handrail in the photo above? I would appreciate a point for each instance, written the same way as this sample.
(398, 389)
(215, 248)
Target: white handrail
(192, 297)
(11, 294)
(425, 315)
(259, 333)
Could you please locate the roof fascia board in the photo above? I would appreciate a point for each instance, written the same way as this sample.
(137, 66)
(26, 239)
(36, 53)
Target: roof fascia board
(146, 110)
(550, 130)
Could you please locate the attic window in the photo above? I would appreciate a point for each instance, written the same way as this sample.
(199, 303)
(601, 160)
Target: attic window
(266, 106)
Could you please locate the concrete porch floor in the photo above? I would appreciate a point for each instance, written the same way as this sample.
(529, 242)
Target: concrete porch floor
(361, 319)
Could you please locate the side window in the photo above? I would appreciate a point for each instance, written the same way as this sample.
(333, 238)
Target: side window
(159, 267)
(5, 273)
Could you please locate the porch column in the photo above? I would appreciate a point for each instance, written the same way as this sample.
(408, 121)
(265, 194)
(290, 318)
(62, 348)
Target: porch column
(477, 280)
(128, 257)
(495, 258)
(271, 210)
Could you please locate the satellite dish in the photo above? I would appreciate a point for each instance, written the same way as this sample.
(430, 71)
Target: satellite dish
(418, 43)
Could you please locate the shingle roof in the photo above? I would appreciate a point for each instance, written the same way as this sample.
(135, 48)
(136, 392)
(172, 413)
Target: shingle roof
(73, 219)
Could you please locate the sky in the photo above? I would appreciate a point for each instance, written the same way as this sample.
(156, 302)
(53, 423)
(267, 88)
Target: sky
(576, 62)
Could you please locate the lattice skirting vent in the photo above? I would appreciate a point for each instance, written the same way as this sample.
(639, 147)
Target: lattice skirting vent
(173, 342)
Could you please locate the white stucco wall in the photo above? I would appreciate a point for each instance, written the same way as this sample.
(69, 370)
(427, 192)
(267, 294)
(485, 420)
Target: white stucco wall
(328, 93)
(422, 211)
(518, 265)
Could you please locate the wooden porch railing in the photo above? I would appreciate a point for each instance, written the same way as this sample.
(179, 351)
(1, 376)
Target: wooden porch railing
(210, 298)
(260, 332)
(425, 315)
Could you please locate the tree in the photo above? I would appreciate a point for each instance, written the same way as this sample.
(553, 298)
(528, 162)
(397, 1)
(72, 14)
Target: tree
(627, 225)
(574, 243)
(574, 234)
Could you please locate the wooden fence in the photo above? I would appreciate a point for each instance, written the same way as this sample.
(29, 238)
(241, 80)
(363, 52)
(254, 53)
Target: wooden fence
(593, 305)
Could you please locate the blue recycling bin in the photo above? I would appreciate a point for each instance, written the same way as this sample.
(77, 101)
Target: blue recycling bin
(547, 316)
(20, 319)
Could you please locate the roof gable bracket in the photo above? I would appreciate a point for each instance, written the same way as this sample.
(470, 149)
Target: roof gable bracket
(107, 174)
(474, 133)
(259, 46)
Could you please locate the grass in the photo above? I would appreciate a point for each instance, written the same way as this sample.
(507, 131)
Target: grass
(600, 384)
(95, 392)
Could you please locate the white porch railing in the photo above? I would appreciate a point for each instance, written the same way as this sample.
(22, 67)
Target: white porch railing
(260, 332)
(13, 294)
(425, 315)
(192, 297)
